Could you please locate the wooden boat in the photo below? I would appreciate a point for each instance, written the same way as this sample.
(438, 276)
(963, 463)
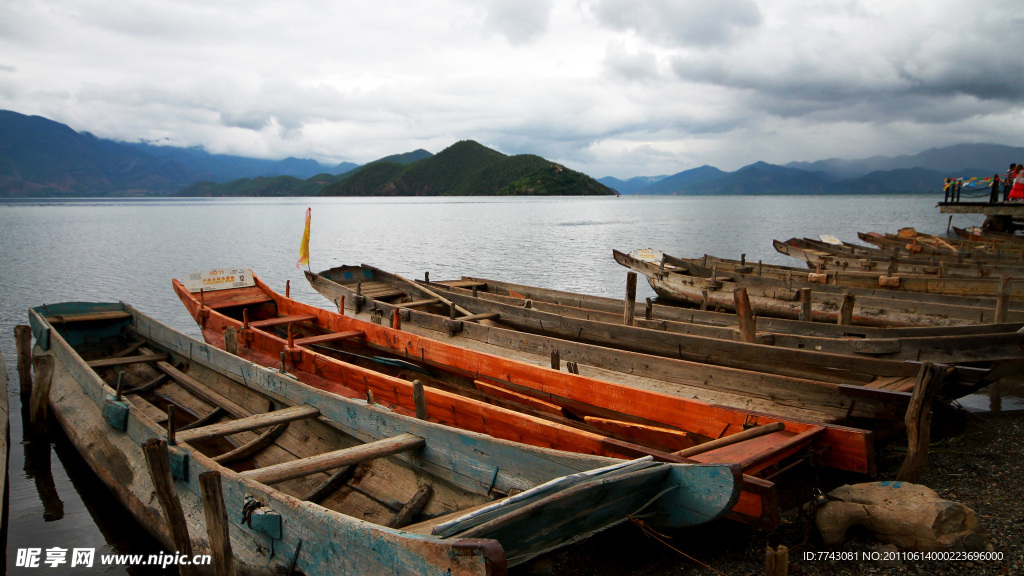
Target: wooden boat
(332, 485)
(919, 245)
(854, 257)
(514, 400)
(780, 298)
(977, 234)
(665, 315)
(5, 447)
(944, 289)
(371, 293)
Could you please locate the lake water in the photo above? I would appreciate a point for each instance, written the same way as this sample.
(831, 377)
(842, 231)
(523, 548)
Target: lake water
(129, 249)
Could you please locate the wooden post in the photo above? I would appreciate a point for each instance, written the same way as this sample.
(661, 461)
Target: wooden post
(420, 398)
(39, 404)
(287, 288)
(556, 360)
(341, 305)
(806, 311)
(23, 336)
(160, 471)
(1002, 299)
(171, 426)
(918, 421)
(776, 562)
(231, 340)
(704, 300)
(627, 313)
(217, 524)
(745, 315)
(846, 312)
(649, 311)
(396, 319)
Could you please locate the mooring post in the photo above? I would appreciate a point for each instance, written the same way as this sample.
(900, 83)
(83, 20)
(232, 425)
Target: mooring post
(806, 312)
(627, 313)
(918, 420)
(231, 340)
(159, 463)
(287, 288)
(39, 404)
(745, 315)
(420, 399)
(1002, 299)
(23, 337)
(846, 312)
(217, 524)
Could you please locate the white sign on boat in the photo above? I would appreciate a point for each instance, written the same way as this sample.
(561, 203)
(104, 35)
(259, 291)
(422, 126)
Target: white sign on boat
(219, 279)
(830, 239)
(648, 255)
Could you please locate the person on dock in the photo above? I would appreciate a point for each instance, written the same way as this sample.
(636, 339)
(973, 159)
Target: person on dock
(1017, 192)
(994, 196)
(1008, 181)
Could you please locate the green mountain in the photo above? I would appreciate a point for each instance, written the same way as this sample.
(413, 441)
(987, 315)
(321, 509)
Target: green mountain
(261, 186)
(467, 168)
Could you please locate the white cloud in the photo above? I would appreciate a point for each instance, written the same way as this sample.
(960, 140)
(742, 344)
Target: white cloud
(609, 87)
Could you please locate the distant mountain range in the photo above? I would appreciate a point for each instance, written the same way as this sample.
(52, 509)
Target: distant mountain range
(40, 157)
(920, 173)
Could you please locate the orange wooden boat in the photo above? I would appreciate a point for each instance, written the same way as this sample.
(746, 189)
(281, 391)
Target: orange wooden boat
(513, 400)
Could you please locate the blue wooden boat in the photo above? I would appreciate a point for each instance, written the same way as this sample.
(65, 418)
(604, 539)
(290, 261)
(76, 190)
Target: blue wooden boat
(326, 484)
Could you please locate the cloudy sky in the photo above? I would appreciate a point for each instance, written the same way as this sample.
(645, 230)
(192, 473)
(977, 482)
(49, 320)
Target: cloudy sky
(610, 87)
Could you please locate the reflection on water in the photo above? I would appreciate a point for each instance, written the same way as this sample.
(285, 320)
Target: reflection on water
(1006, 395)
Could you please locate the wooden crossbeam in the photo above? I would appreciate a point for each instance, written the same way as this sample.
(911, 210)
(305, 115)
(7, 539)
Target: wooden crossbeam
(417, 303)
(482, 316)
(250, 423)
(330, 337)
(125, 360)
(95, 317)
(203, 391)
(260, 324)
(331, 460)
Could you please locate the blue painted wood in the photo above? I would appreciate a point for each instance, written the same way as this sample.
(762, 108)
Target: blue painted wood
(115, 412)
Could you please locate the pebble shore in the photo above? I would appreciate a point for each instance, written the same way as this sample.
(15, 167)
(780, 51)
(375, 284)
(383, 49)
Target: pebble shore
(980, 464)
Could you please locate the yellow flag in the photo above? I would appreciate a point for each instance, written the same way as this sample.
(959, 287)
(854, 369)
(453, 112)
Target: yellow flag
(304, 247)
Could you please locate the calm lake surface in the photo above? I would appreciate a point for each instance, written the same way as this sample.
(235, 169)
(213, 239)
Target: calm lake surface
(127, 249)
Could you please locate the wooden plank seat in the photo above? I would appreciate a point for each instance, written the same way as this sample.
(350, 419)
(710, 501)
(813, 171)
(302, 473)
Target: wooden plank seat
(345, 457)
(481, 316)
(758, 453)
(269, 322)
(250, 296)
(329, 337)
(463, 283)
(253, 422)
(376, 290)
(418, 303)
(94, 317)
(125, 360)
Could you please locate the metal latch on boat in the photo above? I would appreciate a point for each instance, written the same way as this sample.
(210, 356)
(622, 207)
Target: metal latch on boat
(260, 518)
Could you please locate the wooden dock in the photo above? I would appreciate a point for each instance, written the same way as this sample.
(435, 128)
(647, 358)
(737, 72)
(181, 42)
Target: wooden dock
(1001, 216)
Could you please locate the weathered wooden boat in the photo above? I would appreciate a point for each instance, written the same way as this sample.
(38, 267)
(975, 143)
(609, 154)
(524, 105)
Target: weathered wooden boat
(781, 298)
(667, 315)
(5, 447)
(853, 257)
(919, 245)
(331, 485)
(371, 293)
(515, 400)
(978, 234)
(944, 289)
